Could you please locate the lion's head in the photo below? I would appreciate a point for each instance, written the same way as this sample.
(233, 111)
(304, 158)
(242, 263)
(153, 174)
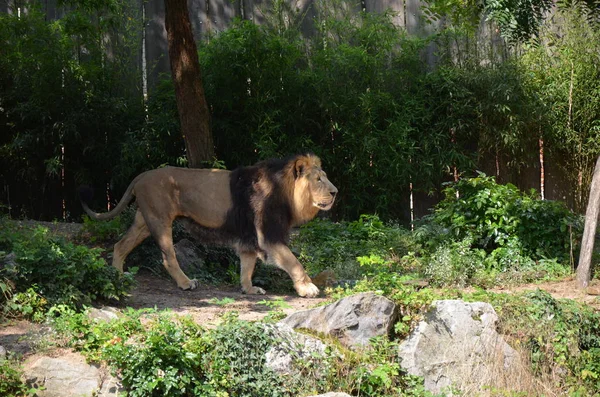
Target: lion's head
(312, 189)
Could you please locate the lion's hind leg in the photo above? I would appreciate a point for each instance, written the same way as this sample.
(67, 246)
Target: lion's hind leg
(247, 264)
(162, 232)
(137, 233)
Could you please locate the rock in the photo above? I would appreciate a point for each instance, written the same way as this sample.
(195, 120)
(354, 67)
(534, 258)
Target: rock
(187, 256)
(291, 348)
(68, 375)
(3, 353)
(324, 279)
(457, 344)
(333, 394)
(105, 313)
(9, 262)
(353, 320)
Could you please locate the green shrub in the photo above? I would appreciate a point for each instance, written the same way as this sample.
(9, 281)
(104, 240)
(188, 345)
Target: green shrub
(104, 230)
(11, 384)
(235, 362)
(484, 233)
(163, 360)
(493, 214)
(352, 249)
(53, 270)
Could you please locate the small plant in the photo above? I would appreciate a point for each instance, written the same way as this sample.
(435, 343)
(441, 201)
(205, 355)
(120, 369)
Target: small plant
(164, 360)
(221, 302)
(105, 230)
(276, 307)
(11, 384)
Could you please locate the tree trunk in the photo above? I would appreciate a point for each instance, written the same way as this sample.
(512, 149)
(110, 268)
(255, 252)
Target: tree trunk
(193, 111)
(584, 273)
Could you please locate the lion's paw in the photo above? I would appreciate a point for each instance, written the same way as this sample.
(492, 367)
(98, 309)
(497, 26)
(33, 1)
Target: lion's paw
(308, 290)
(254, 291)
(192, 285)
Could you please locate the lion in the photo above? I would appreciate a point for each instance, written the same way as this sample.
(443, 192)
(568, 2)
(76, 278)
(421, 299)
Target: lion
(250, 208)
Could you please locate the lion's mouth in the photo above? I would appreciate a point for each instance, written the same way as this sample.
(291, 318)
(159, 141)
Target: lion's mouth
(324, 205)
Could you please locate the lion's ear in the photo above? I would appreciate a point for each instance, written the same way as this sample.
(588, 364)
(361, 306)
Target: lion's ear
(300, 166)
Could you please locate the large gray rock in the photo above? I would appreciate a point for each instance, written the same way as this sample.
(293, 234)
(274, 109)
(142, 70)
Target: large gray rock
(68, 375)
(187, 256)
(457, 344)
(292, 348)
(353, 320)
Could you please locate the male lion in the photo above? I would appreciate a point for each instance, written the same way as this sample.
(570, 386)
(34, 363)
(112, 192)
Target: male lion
(251, 208)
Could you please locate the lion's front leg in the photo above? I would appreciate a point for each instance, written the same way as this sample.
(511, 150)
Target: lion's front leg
(281, 256)
(247, 264)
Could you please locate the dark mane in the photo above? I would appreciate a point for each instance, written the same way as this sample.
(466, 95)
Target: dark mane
(258, 191)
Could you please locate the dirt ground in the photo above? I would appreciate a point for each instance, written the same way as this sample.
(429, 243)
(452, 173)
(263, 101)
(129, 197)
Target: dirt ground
(202, 302)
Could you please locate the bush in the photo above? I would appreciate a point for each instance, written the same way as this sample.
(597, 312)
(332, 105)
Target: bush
(163, 360)
(50, 270)
(485, 233)
(352, 249)
(11, 384)
(493, 214)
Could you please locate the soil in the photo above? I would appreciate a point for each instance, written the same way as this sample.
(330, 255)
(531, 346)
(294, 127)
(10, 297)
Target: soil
(207, 303)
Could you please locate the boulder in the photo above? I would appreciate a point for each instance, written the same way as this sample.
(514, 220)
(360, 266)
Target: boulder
(106, 313)
(68, 375)
(292, 348)
(456, 344)
(187, 256)
(353, 320)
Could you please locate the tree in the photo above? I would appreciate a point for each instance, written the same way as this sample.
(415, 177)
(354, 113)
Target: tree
(193, 110)
(589, 230)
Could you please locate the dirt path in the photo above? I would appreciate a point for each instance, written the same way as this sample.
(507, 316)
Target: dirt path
(203, 303)
(563, 289)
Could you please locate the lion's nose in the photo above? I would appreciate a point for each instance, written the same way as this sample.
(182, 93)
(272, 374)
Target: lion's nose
(333, 192)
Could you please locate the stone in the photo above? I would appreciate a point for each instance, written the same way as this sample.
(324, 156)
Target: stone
(456, 344)
(9, 262)
(3, 353)
(353, 320)
(333, 394)
(106, 313)
(292, 347)
(68, 375)
(187, 256)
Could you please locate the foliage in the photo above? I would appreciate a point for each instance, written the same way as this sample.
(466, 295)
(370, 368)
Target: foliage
(51, 270)
(105, 230)
(518, 20)
(564, 76)
(161, 361)
(559, 336)
(358, 92)
(65, 102)
(236, 361)
(494, 215)
(11, 384)
(351, 249)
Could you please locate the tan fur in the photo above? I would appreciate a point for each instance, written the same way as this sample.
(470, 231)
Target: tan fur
(205, 196)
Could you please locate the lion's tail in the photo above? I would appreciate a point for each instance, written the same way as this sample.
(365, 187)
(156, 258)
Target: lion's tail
(85, 195)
